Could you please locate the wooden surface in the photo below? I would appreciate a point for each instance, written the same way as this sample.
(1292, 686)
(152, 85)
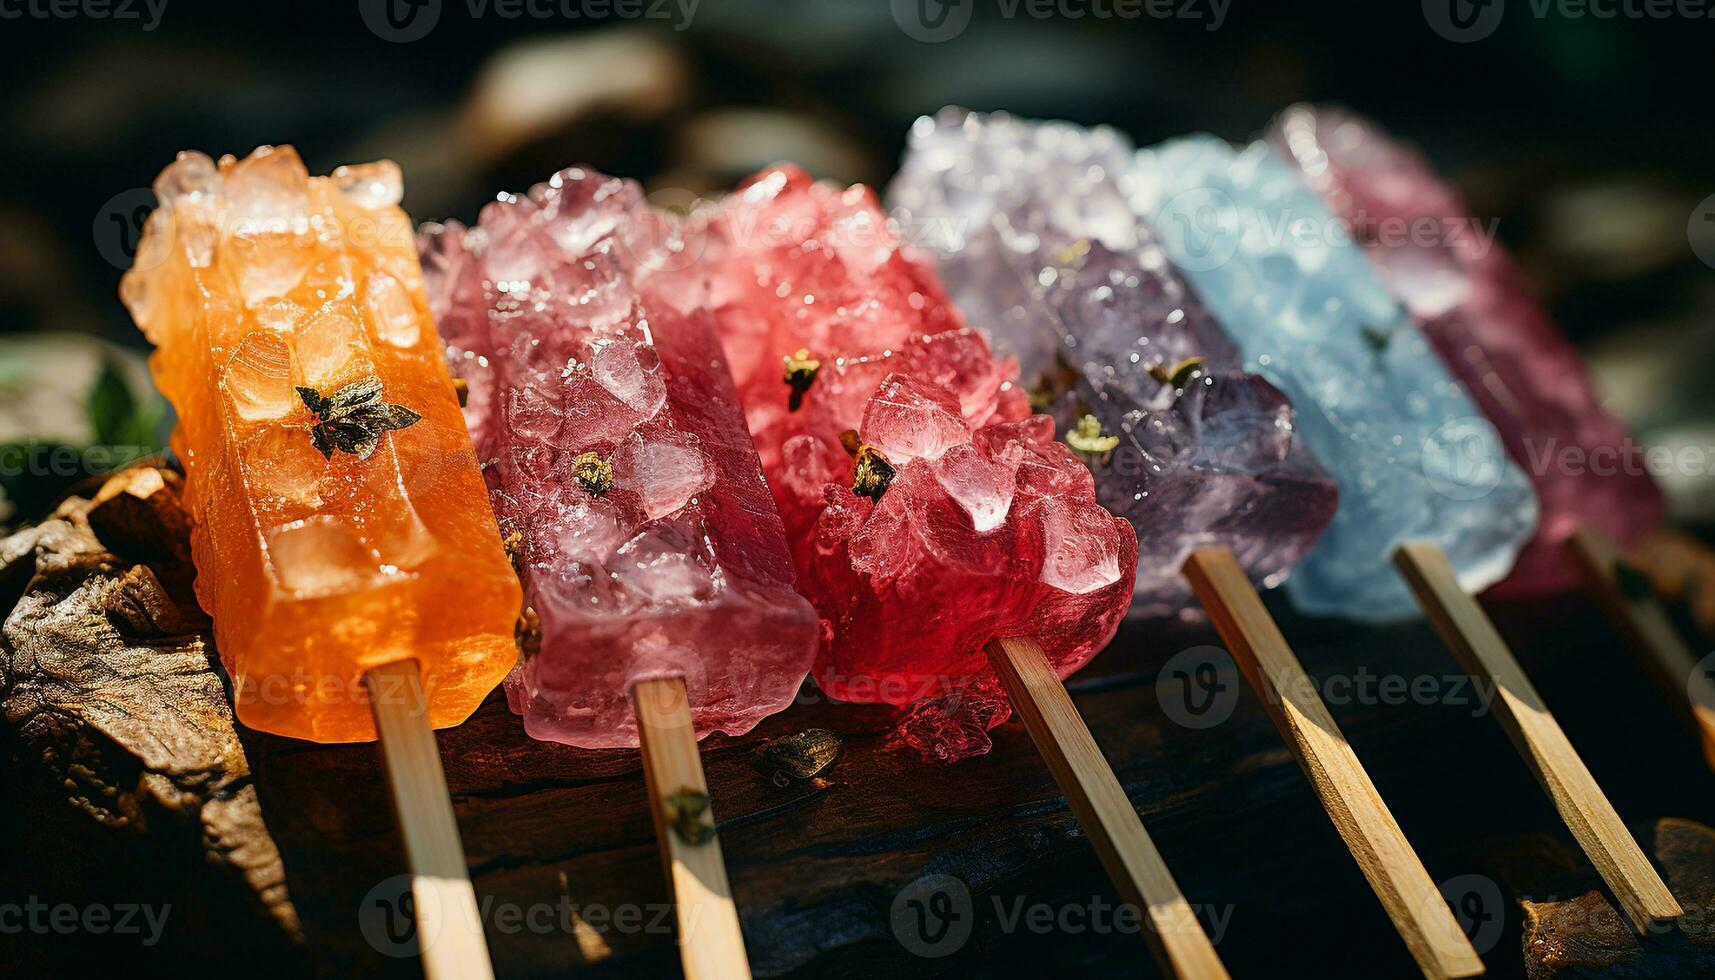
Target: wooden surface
(127, 782)
(1435, 939)
(1684, 686)
(711, 944)
(449, 924)
(1116, 834)
(1477, 645)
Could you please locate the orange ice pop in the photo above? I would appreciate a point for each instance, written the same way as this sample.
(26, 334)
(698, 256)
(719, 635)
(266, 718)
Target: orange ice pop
(340, 520)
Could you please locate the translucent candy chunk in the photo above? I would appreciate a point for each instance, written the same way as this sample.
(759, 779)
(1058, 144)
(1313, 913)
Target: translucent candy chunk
(665, 471)
(532, 414)
(1471, 300)
(189, 180)
(284, 470)
(647, 538)
(928, 535)
(909, 420)
(371, 186)
(339, 519)
(630, 371)
(1382, 413)
(1050, 259)
(391, 311)
(332, 348)
(258, 379)
(982, 488)
(318, 557)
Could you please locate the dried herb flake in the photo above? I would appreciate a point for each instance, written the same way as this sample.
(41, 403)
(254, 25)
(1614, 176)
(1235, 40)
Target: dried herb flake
(595, 473)
(873, 474)
(802, 756)
(1178, 375)
(353, 419)
(800, 373)
(685, 810)
(1086, 437)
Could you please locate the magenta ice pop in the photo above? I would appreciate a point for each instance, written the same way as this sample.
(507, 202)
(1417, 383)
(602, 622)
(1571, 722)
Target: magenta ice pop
(619, 466)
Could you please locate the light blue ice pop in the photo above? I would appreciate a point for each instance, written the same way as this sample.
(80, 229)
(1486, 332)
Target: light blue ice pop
(1414, 456)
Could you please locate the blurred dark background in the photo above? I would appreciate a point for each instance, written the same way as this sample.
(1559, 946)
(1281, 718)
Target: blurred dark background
(1589, 138)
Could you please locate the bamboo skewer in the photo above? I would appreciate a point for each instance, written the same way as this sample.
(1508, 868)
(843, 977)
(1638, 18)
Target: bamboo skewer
(1393, 869)
(711, 944)
(1652, 638)
(1094, 793)
(1478, 647)
(449, 923)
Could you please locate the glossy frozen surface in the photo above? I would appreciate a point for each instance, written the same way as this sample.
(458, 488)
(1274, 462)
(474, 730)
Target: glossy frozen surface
(982, 525)
(338, 509)
(1414, 457)
(1036, 242)
(616, 452)
(1474, 305)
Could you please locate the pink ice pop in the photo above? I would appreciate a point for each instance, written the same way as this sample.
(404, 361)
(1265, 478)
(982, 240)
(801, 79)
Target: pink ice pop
(617, 459)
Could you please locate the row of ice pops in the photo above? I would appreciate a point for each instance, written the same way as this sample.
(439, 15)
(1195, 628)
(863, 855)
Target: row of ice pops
(1052, 245)
(1091, 254)
(341, 521)
(798, 272)
(1105, 268)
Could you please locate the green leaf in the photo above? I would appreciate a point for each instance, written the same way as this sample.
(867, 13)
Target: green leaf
(111, 407)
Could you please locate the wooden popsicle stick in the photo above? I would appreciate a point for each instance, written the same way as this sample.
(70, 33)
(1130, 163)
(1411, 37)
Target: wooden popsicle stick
(1095, 796)
(1638, 615)
(711, 944)
(1478, 647)
(1393, 869)
(449, 923)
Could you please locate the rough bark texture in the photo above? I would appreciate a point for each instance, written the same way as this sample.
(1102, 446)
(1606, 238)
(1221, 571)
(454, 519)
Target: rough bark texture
(129, 784)
(1583, 935)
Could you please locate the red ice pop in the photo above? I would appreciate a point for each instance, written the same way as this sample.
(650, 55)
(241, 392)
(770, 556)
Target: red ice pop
(929, 511)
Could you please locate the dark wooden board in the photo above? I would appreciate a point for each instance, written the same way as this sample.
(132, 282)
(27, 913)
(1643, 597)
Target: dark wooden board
(816, 866)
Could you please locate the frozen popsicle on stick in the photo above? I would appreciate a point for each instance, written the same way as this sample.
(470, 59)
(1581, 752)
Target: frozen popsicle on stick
(1461, 287)
(1207, 463)
(356, 580)
(1414, 457)
(1033, 238)
(1471, 301)
(655, 567)
(1424, 481)
(954, 550)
